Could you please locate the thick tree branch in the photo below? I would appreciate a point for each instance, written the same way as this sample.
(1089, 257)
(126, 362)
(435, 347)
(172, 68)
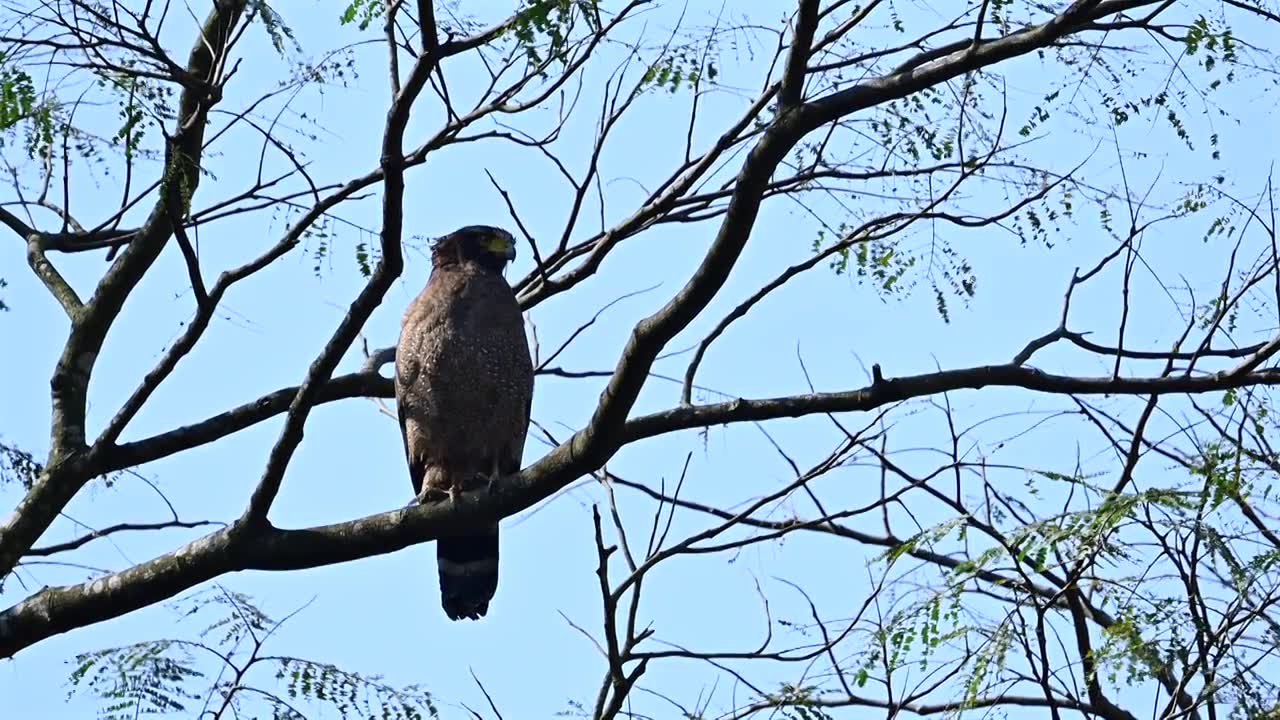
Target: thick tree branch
(966, 59)
(56, 610)
(368, 383)
(66, 472)
(131, 454)
(793, 74)
(53, 281)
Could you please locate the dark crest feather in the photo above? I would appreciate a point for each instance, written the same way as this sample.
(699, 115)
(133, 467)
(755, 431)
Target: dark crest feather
(468, 243)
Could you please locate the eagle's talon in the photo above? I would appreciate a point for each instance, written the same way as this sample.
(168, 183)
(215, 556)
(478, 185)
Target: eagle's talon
(429, 496)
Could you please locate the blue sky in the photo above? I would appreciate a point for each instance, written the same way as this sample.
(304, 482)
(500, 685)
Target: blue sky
(381, 615)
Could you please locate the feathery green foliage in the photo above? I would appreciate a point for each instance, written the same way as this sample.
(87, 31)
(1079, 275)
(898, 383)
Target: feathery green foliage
(224, 671)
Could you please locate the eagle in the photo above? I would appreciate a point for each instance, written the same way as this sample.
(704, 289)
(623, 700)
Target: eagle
(464, 388)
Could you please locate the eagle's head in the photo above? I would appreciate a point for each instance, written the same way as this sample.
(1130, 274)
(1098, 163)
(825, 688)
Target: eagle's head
(489, 247)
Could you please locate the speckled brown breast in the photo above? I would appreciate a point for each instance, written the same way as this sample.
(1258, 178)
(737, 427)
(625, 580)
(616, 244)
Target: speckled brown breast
(464, 378)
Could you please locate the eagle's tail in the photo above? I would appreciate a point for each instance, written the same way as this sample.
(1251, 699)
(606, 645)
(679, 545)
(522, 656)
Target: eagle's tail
(468, 572)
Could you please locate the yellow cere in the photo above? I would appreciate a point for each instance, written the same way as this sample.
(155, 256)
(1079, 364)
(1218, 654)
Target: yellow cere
(497, 244)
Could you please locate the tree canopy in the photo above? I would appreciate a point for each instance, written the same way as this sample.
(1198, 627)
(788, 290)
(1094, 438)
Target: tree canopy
(893, 358)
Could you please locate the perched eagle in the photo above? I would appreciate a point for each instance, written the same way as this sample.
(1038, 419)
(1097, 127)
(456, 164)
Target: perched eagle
(464, 384)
